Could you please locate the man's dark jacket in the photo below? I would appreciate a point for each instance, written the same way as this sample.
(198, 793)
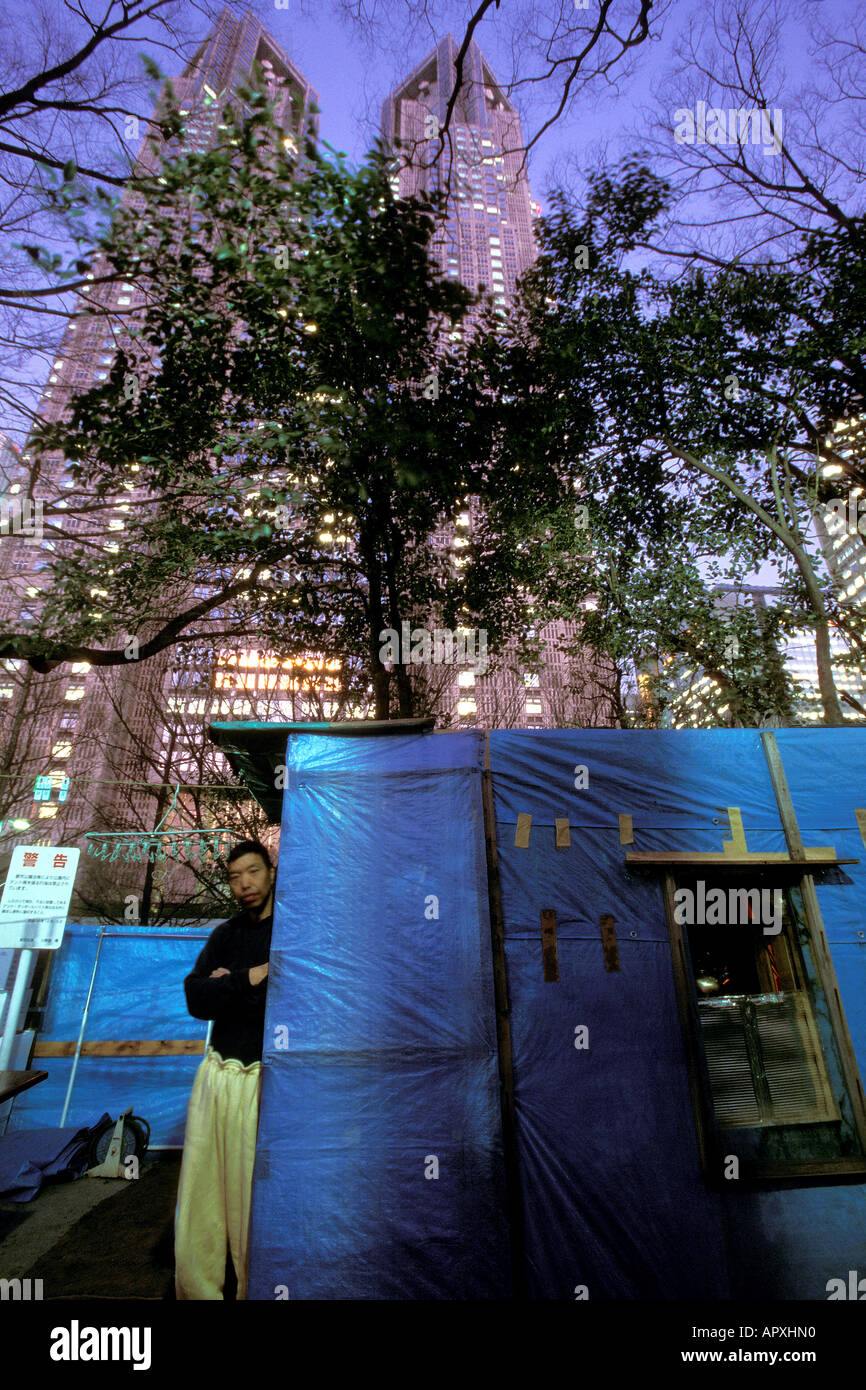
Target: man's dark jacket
(236, 1006)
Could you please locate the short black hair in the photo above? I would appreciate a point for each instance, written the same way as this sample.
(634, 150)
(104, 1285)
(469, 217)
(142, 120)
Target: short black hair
(249, 847)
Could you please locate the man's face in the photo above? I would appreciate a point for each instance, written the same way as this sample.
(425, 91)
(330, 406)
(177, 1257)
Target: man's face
(250, 879)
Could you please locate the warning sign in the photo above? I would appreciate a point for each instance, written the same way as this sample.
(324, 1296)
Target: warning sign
(36, 896)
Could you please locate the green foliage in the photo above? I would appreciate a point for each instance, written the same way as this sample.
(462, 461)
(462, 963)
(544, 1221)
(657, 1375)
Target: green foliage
(292, 317)
(705, 403)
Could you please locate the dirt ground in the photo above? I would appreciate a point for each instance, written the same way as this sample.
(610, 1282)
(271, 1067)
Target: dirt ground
(99, 1237)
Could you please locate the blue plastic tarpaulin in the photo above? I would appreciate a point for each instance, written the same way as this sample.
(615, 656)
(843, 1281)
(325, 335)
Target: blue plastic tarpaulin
(380, 1171)
(138, 993)
(379, 1161)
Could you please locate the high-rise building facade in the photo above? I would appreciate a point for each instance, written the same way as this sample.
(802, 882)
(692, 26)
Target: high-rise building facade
(841, 522)
(124, 749)
(470, 145)
(85, 749)
(475, 154)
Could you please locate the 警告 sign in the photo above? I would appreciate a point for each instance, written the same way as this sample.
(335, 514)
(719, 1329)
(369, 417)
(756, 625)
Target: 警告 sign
(36, 896)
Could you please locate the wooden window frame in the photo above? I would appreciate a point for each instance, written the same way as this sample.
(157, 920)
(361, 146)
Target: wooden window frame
(710, 1134)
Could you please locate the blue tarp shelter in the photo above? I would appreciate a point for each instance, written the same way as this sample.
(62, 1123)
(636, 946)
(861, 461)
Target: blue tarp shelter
(495, 1065)
(138, 995)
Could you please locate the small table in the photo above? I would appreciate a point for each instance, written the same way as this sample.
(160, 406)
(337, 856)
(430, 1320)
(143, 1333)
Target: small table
(12, 1083)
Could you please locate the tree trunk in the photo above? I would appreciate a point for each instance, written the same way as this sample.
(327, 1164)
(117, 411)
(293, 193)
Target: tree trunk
(405, 694)
(381, 688)
(833, 716)
(376, 625)
(394, 555)
(162, 797)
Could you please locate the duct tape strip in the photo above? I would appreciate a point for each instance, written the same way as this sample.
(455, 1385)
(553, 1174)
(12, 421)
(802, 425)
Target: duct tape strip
(549, 953)
(563, 834)
(608, 941)
(626, 830)
(861, 822)
(737, 842)
(521, 834)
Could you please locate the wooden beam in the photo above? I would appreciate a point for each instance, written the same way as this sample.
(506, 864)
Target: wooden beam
(608, 942)
(793, 839)
(819, 855)
(549, 952)
(514, 1200)
(128, 1047)
(781, 1172)
(821, 950)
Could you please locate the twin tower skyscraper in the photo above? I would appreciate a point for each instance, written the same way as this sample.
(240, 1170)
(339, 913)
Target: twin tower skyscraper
(454, 126)
(450, 125)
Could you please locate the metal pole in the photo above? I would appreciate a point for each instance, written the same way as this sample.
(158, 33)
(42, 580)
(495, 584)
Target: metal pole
(81, 1030)
(18, 989)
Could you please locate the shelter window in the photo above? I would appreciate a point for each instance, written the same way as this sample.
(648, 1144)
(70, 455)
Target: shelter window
(769, 1077)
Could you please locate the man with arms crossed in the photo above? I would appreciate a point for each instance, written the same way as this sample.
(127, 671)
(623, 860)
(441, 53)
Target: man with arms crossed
(229, 985)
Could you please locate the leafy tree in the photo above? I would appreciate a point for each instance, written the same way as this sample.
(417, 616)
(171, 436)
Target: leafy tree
(74, 105)
(294, 414)
(712, 397)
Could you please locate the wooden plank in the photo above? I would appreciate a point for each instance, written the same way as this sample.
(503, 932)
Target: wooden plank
(549, 952)
(783, 798)
(821, 950)
(776, 1172)
(513, 1198)
(129, 1047)
(12, 1083)
(608, 941)
(818, 855)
